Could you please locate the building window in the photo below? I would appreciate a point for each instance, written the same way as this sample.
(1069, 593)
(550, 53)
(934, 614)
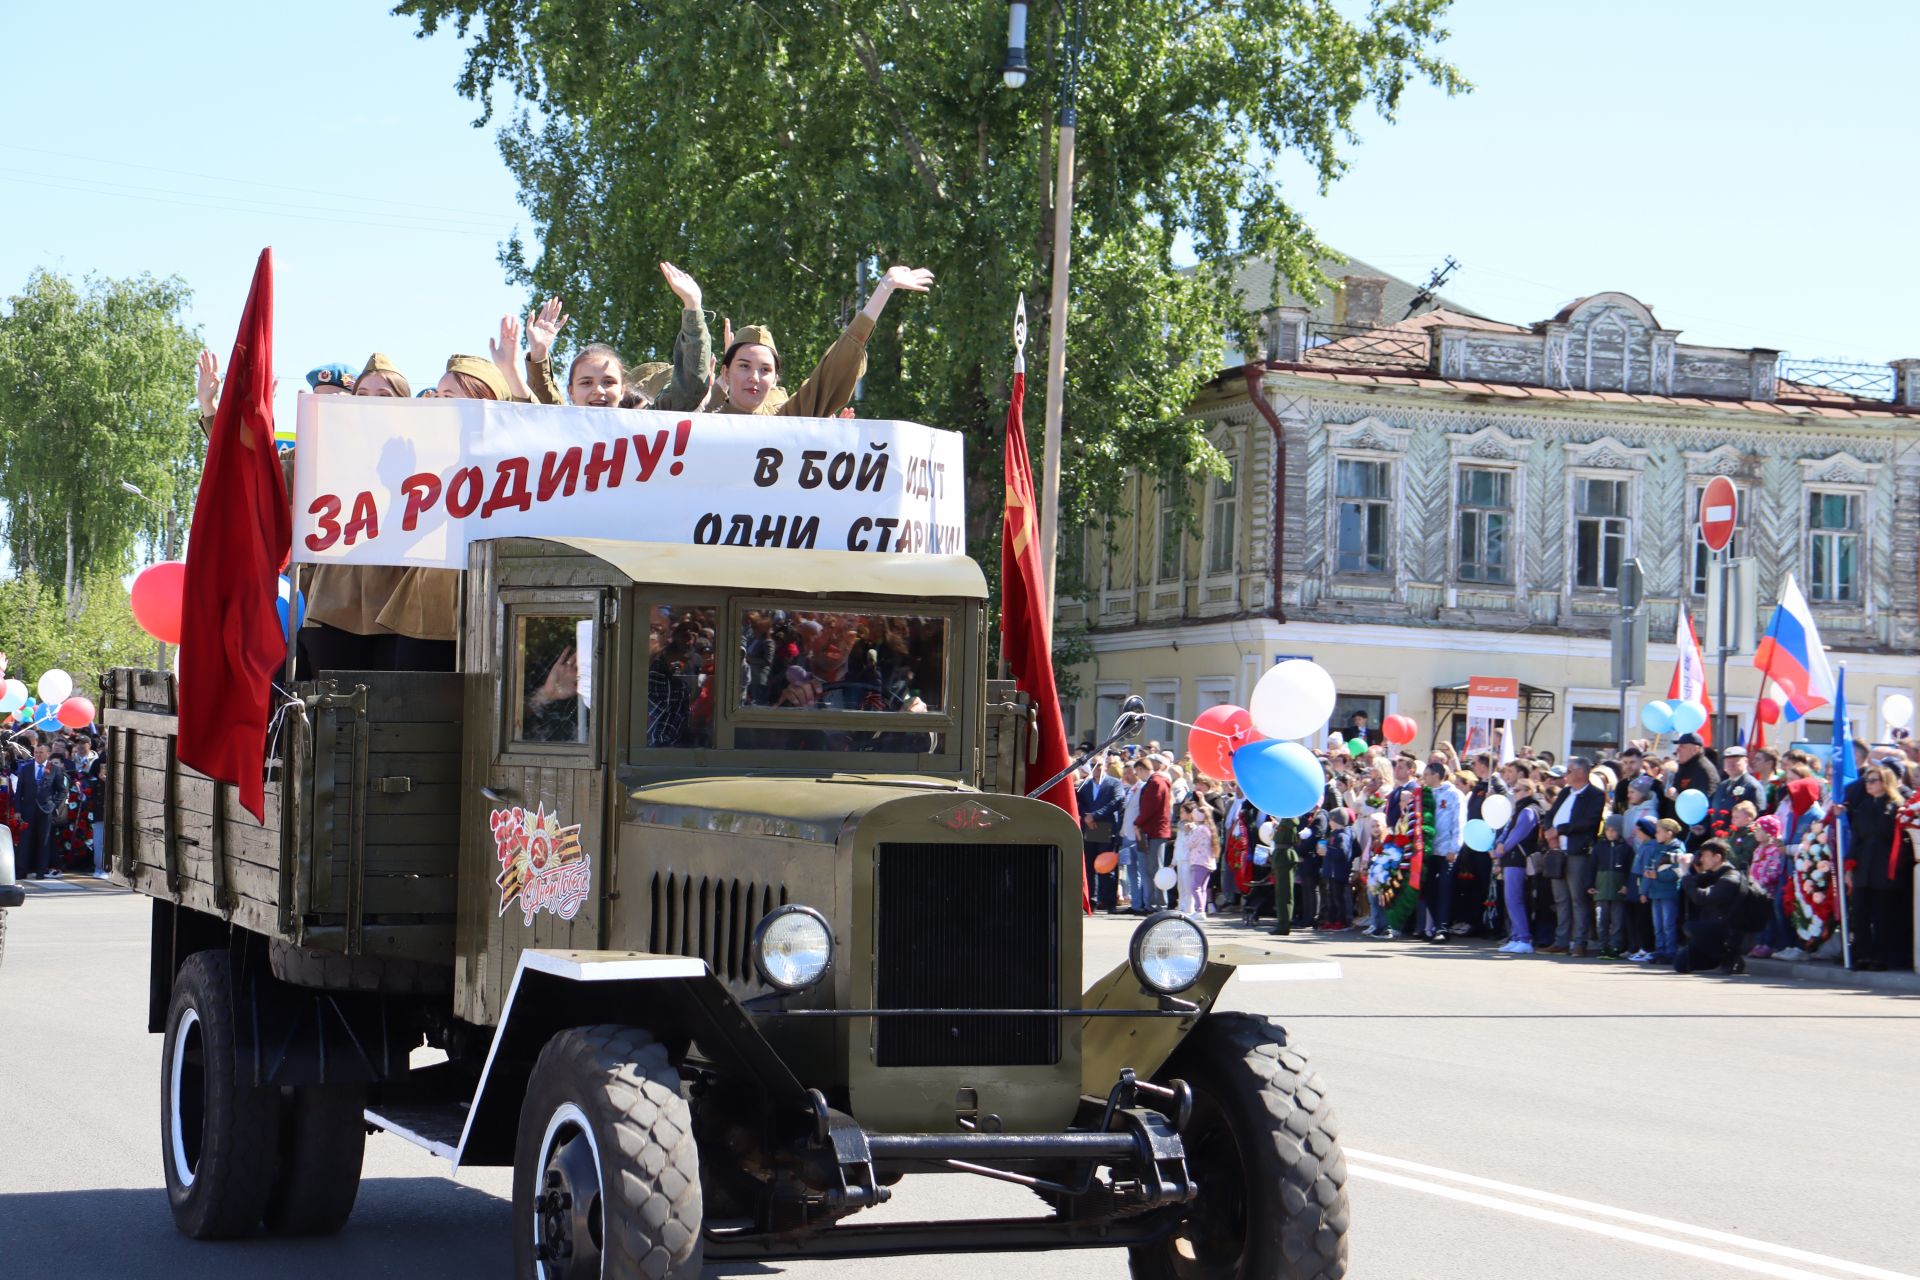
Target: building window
(1220, 523)
(1362, 492)
(1171, 542)
(1600, 532)
(1357, 715)
(1596, 732)
(1702, 557)
(1833, 547)
(1486, 515)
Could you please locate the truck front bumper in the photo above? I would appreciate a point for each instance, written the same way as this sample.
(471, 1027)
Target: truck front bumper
(12, 895)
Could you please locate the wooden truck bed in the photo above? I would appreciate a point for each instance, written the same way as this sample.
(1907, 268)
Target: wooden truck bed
(360, 841)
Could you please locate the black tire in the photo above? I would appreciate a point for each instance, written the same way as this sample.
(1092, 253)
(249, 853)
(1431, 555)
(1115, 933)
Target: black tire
(615, 1088)
(330, 971)
(323, 1142)
(219, 1168)
(1264, 1148)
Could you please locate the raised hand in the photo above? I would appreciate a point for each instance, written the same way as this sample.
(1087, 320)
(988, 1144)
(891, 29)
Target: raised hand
(684, 286)
(505, 351)
(543, 326)
(912, 279)
(207, 389)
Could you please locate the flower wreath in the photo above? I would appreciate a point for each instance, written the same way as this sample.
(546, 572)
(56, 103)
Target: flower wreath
(1809, 899)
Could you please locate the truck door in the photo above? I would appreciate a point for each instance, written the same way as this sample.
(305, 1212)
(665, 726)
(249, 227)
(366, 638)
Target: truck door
(545, 788)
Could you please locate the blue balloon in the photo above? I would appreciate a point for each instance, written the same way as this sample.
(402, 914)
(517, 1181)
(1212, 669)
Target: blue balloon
(1281, 778)
(299, 607)
(1690, 806)
(1478, 835)
(1657, 717)
(1687, 716)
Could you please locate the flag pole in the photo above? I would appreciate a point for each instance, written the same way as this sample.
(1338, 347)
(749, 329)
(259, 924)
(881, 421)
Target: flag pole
(1842, 740)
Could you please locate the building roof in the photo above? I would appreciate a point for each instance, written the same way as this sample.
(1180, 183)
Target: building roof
(1401, 345)
(1818, 402)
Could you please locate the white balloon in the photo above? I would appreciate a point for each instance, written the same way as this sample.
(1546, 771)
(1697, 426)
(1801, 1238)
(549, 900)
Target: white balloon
(1495, 810)
(56, 686)
(1267, 829)
(13, 696)
(1164, 879)
(1898, 710)
(1292, 700)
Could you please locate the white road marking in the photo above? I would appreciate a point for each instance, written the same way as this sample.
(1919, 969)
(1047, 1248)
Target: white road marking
(1358, 1162)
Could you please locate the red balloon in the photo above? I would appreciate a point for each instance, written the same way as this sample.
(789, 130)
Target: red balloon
(1105, 863)
(75, 713)
(1216, 732)
(159, 596)
(1399, 730)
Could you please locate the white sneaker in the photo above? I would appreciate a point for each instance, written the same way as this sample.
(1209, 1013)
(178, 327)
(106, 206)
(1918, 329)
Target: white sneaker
(1523, 948)
(1641, 957)
(1506, 947)
(1791, 953)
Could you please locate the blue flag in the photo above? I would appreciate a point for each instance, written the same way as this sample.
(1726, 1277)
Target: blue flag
(1842, 774)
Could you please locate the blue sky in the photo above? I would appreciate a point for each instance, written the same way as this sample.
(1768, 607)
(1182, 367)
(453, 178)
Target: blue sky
(1745, 168)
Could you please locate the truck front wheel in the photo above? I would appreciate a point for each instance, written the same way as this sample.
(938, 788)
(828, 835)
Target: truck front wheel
(1264, 1149)
(606, 1176)
(218, 1138)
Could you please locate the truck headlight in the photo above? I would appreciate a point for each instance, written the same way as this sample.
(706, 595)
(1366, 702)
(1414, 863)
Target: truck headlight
(792, 947)
(1169, 953)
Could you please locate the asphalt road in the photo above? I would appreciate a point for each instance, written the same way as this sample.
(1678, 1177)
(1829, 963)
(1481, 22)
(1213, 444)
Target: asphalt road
(1506, 1119)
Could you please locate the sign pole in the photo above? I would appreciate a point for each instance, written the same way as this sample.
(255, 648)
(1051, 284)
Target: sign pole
(1719, 514)
(1723, 566)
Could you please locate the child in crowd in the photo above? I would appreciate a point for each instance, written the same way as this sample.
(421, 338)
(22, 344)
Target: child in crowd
(1743, 840)
(1195, 853)
(1336, 871)
(1612, 869)
(1663, 865)
(1769, 871)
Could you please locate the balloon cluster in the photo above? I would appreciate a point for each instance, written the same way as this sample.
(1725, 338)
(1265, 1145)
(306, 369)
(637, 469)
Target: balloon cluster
(1672, 716)
(56, 708)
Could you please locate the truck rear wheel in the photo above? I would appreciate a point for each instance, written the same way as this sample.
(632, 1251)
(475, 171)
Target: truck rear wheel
(323, 1142)
(606, 1176)
(218, 1138)
(1264, 1148)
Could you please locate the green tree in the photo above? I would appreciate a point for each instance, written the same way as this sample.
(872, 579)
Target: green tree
(85, 638)
(775, 148)
(96, 388)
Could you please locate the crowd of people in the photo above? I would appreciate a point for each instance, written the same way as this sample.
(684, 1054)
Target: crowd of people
(387, 618)
(1588, 858)
(51, 802)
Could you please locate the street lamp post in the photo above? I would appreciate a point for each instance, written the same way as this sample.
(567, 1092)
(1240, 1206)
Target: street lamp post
(166, 553)
(1014, 72)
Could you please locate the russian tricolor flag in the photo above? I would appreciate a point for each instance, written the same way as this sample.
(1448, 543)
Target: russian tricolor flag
(1792, 662)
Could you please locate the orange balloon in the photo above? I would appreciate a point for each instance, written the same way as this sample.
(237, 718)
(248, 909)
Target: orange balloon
(1104, 863)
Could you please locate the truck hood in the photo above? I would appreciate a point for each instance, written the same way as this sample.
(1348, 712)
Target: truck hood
(812, 807)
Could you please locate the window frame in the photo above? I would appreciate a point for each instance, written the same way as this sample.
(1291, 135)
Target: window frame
(1170, 537)
(1462, 509)
(1576, 518)
(514, 603)
(1217, 502)
(1385, 504)
(1857, 501)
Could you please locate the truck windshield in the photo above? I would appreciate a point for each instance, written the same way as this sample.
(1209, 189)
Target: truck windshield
(809, 660)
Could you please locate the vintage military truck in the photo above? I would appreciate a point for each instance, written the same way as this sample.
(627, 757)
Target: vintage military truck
(684, 899)
(11, 893)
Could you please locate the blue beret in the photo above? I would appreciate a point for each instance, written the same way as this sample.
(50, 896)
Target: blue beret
(331, 375)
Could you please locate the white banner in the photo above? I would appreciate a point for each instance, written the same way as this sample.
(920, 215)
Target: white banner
(411, 482)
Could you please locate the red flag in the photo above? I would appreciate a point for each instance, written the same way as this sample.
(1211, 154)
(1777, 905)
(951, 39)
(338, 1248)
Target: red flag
(1026, 631)
(1689, 683)
(230, 638)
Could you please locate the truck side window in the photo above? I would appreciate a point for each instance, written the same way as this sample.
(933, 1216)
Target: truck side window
(680, 675)
(554, 661)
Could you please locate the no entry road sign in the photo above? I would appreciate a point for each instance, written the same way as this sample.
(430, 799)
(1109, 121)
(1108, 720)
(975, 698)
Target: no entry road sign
(1717, 509)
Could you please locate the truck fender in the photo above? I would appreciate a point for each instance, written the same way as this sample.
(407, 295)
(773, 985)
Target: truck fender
(1110, 1045)
(676, 998)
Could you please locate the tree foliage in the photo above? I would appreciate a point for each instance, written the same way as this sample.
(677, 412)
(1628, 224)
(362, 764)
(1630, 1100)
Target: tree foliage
(96, 387)
(770, 147)
(38, 630)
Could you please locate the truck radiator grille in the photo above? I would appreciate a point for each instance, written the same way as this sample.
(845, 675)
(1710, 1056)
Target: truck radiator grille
(711, 919)
(967, 926)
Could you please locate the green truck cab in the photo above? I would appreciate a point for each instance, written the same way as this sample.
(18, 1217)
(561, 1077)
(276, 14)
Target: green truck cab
(703, 895)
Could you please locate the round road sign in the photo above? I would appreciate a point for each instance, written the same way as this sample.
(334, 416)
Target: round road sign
(1717, 508)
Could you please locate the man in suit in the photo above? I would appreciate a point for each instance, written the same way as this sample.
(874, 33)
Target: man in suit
(40, 795)
(1576, 820)
(1100, 799)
